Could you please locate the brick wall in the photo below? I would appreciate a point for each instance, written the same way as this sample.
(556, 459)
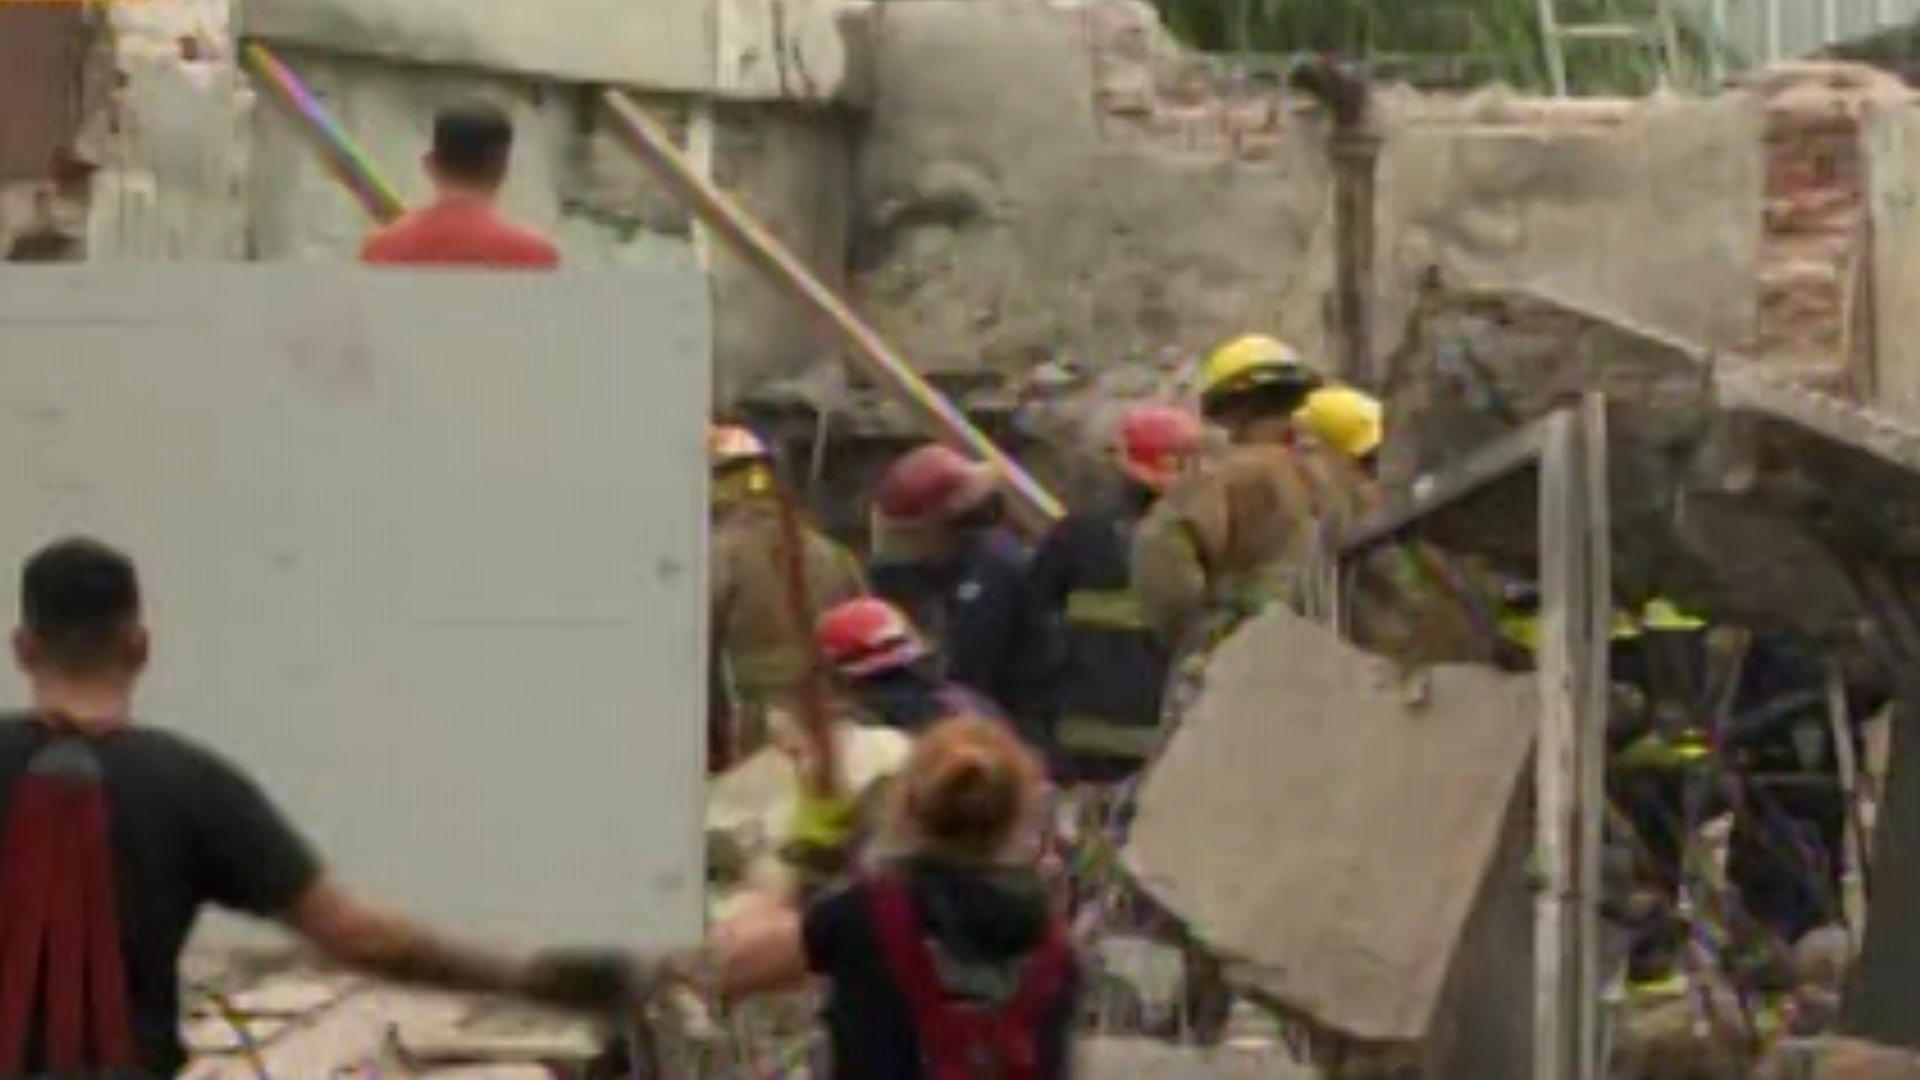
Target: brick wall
(1813, 269)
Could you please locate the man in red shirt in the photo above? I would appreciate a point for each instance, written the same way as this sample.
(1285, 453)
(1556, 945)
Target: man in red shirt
(471, 146)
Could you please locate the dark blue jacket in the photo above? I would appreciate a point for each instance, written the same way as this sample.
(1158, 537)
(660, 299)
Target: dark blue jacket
(987, 621)
(911, 698)
(1115, 670)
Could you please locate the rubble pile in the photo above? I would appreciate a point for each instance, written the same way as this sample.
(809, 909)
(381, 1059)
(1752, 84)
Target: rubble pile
(280, 1017)
(1733, 488)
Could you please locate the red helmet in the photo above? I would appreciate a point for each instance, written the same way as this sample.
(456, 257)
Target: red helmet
(1155, 443)
(932, 485)
(867, 636)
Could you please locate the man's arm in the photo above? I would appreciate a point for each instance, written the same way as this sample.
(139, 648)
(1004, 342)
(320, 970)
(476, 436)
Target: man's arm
(387, 945)
(252, 859)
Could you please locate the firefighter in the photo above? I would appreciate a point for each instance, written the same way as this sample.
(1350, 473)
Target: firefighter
(1347, 420)
(1116, 671)
(1786, 856)
(1222, 543)
(1657, 664)
(948, 961)
(887, 669)
(950, 568)
(761, 654)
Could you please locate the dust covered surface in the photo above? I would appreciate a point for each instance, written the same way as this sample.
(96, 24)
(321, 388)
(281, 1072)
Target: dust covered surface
(1304, 883)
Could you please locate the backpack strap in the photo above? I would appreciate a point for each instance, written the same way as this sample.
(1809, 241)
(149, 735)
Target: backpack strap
(59, 922)
(952, 1034)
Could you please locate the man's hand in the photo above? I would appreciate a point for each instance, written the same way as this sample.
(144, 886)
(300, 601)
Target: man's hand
(599, 981)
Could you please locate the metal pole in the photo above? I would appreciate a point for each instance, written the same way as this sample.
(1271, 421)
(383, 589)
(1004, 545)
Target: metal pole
(1772, 42)
(1355, 149)
(339, 153)
(1550, 47)
(1555, 1031)
(653, 146)
(1593, 524)
(1717, 42)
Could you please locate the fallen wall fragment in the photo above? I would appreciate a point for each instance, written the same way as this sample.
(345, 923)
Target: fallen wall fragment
(1339, 874)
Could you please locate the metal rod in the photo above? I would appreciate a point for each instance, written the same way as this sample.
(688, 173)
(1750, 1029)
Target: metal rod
(1853, 853)
(650, 143)
(1550, 45)
(342, 157)
(1554, 1031)
(1593, 524)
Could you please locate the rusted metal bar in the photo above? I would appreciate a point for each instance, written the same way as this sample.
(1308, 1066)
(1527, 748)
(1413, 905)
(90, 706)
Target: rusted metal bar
(343, 158)
(653, 146)
(1355, 149)
(826, 776)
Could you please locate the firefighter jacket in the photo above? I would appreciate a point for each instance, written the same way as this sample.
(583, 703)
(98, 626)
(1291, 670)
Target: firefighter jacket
(979, 609)
(1115, 670)
(1236, 536)
(765, 650)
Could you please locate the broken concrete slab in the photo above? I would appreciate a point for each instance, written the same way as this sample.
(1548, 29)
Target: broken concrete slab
(1734, 490)
(1356, 801)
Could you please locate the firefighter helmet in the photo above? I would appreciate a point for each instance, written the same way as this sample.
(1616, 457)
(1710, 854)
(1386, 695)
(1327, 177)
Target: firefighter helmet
(1156, 442)
(1346, 419)
(933, 485)
(867, 636)
(1249, 363)
(730, 444)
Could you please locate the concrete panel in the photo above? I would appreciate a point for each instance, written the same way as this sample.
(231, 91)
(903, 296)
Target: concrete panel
(656, 44)
(1574, 211)
(172, 190)
(1355, 805)
(790, 50)
(1892, 135)
(423, 550)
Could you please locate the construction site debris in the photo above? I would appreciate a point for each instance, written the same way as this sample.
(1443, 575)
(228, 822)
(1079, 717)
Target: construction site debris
(1303, 884)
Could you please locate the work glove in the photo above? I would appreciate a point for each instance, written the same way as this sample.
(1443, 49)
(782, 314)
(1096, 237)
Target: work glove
(604, 982)
(824, 823)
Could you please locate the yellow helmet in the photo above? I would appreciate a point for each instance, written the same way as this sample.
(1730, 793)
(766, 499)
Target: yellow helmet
(1346, 419)
(1254, 360)
(729, 445)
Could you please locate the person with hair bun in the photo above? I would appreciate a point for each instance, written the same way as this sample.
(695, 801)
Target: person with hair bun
(947, 960)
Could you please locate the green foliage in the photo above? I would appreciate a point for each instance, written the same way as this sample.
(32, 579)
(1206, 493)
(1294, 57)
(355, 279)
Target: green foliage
(1450, 42)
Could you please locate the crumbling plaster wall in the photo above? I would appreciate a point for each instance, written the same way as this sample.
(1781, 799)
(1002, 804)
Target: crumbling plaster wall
(1038, 178)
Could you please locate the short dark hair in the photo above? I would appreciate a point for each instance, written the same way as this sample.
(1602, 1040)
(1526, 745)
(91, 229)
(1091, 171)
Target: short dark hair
(472, 141)
(77, 597)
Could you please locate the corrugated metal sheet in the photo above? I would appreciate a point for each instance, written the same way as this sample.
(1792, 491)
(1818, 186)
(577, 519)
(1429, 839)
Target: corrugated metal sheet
(43, 51)
(1759, 31)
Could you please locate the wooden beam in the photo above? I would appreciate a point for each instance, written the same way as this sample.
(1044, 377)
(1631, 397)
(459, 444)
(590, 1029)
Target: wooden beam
(1035, 507)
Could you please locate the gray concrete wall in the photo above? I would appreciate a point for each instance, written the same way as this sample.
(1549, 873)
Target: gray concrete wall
(498, 735)
(1893, 206)
(1013, 202)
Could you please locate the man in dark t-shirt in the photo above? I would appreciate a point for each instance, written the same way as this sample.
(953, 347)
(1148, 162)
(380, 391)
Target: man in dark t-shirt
(187, 828)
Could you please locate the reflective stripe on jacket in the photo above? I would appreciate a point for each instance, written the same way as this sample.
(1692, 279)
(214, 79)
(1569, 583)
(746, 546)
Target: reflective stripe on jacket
(1115, 670)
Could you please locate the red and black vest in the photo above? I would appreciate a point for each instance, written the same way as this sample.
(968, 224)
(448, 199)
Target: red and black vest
(63, 987)
(962, 1040)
